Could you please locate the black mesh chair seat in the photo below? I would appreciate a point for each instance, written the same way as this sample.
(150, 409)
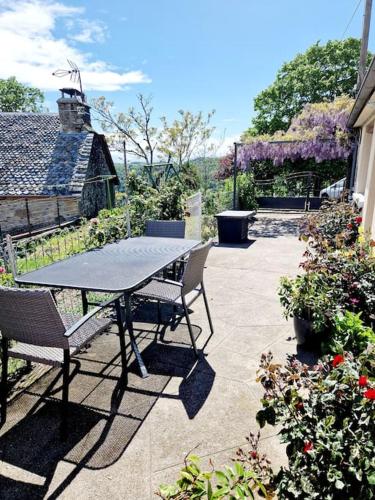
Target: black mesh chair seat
(54, 356)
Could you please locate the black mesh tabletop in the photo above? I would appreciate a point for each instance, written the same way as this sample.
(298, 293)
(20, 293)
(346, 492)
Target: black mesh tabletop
(117, 267)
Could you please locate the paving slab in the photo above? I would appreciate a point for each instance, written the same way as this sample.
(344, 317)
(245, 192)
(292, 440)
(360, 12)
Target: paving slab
(128, 434)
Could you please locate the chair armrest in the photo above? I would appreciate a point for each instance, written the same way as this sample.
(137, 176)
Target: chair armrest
(165, 280)
(89, 315)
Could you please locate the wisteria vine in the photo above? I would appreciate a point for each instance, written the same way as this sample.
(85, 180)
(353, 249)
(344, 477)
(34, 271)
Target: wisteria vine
(318, 132)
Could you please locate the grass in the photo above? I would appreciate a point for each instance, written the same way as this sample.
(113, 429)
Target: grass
(39, 252)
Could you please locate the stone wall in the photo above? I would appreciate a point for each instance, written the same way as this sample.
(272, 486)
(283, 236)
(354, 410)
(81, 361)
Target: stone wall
(18, 215)
(100, 194)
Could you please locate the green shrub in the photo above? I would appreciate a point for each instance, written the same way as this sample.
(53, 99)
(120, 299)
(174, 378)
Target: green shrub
(348, 333)
(335, 225)
(308, 296)
(245, 191)
(327, 419)
(234, 483)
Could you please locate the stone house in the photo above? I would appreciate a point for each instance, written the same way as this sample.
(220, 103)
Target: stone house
(53, 167)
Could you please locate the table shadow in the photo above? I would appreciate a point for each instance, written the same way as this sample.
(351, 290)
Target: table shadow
(104, 415)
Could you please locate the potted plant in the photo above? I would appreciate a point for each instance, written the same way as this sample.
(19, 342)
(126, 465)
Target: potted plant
(327, 419)
(307, 300)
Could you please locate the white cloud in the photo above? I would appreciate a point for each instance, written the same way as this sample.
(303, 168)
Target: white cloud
(27, 29)
(90, 32)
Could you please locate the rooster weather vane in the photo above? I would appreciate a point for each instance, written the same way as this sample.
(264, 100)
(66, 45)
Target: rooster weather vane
(74, 72)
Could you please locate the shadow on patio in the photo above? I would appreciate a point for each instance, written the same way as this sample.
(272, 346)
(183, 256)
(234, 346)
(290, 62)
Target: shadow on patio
(272, 227)
(105, 413)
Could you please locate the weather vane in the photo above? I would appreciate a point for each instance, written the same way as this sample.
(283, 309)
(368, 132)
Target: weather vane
(74, 72)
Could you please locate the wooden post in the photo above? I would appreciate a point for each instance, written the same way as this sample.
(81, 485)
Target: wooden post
(58, 210)
(28, 215)
(364, 44)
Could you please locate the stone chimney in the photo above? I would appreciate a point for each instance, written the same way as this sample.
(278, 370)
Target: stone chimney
(74, 112)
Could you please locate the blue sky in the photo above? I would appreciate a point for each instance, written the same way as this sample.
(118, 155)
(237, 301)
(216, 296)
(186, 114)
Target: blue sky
(189, 54)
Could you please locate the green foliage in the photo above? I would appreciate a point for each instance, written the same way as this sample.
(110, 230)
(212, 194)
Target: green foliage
(335, 281)
(14, 96)
(340, 274)
(109, 226)
(186, 135)
(348, 333)
(320, 74)
(327, 419)
(336, 225)
(6, 279)
(133, 126)
(245, 190)
(232, 483)
(307, 296)
(207, 168)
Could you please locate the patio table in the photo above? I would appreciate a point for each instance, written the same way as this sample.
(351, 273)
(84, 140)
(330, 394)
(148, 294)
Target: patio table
(120, 267)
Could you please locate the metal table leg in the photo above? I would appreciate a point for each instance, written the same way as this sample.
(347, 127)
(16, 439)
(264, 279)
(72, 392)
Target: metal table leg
(129, 326)
(121, 333)
(85, 306)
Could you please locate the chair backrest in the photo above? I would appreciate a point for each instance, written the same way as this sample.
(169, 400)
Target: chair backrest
(165, 228)
(31, 316)
(193, 274)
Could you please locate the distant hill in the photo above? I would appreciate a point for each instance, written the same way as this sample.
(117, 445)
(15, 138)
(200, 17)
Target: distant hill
(207, 167)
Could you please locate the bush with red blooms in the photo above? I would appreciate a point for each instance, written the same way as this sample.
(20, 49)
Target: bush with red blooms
(327, 419)
(335, 225)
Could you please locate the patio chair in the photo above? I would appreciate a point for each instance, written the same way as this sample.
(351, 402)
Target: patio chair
(168, 229)
(182, 293)
(43, 335)
(165, 228)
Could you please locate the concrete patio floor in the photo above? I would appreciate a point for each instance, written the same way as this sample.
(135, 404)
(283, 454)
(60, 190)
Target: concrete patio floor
(127, 439)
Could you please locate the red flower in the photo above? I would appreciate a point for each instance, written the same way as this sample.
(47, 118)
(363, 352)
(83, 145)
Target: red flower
(369, 394)
(362, 381)
(337, 360)
(372, 243)
(299, 405)
(358, 220)
(349, 226)
(308, 447)
(2, 270)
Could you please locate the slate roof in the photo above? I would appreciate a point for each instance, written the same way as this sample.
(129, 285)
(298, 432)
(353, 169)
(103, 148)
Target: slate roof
(37, 158)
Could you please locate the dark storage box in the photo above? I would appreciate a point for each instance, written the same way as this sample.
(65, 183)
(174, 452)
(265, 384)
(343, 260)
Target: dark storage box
(233, 225)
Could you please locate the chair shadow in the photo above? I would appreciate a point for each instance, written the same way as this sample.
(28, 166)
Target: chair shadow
(104, 421)
(34, 445)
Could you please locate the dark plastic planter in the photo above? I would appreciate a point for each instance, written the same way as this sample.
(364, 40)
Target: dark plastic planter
(305, 333)
(233, 225)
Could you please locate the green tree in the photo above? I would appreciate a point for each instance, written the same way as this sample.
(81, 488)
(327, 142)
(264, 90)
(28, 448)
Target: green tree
(133, 126)
(320, 74)
(14, 96)
(185, 136)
